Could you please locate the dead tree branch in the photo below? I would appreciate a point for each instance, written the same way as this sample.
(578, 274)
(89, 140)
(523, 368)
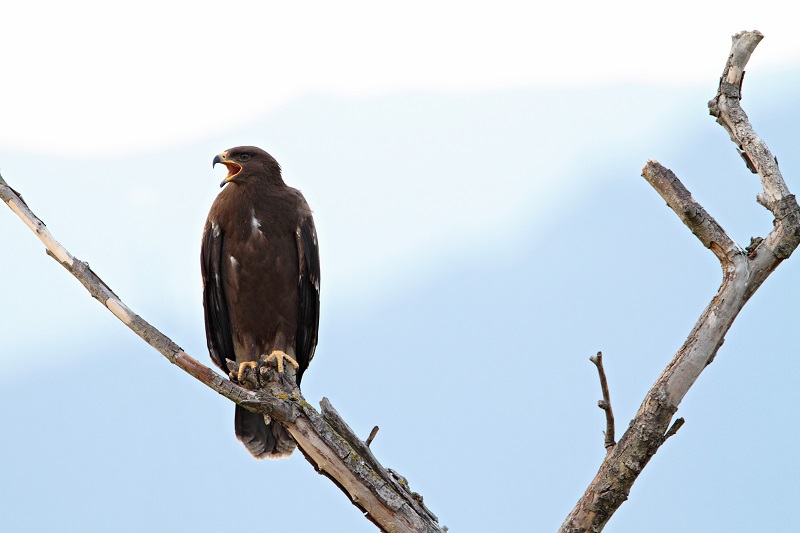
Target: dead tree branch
(324, 438)
(743, 272)
(605, 403)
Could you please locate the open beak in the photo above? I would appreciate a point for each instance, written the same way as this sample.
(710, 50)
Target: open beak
(233, 168)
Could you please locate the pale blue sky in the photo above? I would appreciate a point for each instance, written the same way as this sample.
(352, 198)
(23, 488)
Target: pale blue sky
(483, 232)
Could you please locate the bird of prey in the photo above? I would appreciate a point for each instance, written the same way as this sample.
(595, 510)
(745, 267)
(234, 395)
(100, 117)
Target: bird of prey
(260, 266)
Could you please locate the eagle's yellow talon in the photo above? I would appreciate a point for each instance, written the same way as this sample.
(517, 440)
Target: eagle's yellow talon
(279, 357)
(247, 364)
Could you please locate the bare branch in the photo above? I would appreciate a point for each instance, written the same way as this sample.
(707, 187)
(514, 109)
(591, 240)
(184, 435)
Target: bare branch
(605, 403)
(324, 439)
(726, 106)
(697, 219)
(743, 273)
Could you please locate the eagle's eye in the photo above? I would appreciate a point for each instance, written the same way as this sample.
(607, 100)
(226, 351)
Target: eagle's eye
(244, 157)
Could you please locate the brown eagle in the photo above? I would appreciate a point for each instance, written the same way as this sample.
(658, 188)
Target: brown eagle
(260, 265)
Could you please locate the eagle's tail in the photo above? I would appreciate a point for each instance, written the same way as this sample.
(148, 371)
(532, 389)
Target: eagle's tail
(262, 439)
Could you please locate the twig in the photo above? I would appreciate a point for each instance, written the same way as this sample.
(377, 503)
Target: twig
(605, 403)
(678, 424)
(329, 447)
(372, 435)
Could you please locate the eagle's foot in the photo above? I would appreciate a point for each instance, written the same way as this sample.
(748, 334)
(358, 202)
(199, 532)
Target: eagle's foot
(279, 357)
(252, 365)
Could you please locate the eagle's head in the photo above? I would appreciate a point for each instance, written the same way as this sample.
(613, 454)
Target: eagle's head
(246, 163)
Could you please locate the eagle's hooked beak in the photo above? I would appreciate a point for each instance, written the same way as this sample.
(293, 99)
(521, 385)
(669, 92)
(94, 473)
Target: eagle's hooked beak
(233, 168)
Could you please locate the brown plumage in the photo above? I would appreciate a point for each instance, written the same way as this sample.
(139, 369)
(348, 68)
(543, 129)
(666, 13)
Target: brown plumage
(260, 265)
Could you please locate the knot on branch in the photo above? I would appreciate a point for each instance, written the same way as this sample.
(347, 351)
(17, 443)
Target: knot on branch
(692, 214)
(713, 108)
(752, 248)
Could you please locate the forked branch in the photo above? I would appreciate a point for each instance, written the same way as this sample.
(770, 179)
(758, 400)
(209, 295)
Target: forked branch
(324, 438)
(743, 273)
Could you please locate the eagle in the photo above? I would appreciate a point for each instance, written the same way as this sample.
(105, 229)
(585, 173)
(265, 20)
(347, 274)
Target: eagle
(260, 268)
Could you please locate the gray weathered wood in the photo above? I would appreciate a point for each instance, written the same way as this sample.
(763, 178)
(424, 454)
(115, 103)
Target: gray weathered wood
(743, 272)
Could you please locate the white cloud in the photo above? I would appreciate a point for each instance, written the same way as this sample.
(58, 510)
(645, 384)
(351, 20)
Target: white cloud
(122, 78)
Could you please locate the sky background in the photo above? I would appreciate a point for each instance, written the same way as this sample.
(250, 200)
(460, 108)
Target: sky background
(475, 176)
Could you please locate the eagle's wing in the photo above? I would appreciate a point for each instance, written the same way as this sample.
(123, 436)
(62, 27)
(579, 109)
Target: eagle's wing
(308, 290)
(218, 324)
